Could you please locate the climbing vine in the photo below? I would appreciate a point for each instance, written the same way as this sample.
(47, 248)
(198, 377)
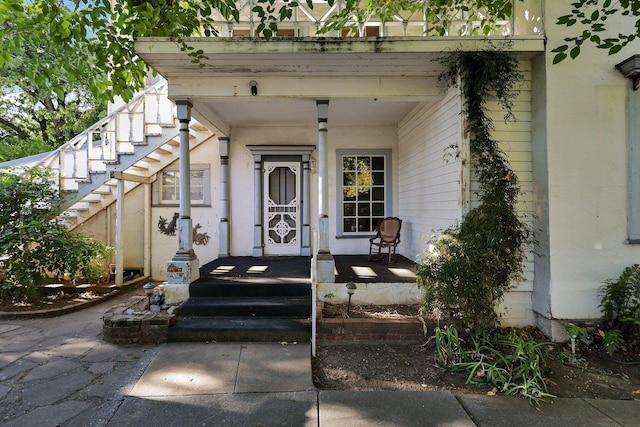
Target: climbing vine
(468, 268)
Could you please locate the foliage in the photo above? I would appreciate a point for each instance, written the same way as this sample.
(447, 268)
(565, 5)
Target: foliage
(480, 16)
(592, 16)
(621, 297)
(611, 340)
(467, 269)
(513, 363)
(34, 246)
(620, 305)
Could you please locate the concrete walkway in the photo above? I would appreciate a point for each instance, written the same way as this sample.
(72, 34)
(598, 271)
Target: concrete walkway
(59, 372)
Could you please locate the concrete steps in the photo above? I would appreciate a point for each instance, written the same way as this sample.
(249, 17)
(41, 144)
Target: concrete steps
(250, 311)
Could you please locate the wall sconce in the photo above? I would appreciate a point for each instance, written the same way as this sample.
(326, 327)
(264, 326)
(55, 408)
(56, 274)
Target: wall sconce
(254, 87)
(630, 68)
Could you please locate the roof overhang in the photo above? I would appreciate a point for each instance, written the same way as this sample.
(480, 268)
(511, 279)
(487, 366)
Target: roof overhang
(360, 76)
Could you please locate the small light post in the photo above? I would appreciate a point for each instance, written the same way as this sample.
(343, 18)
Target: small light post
(351, 288)
(148, 290)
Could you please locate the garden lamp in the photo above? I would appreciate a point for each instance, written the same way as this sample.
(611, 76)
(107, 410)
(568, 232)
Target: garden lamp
(351, 288)
(148, 290)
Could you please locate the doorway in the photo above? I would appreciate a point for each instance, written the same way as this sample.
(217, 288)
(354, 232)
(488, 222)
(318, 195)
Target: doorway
(281, 208)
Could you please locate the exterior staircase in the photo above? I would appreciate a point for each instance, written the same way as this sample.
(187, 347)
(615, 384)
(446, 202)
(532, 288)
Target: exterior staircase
(134, 142)
(273, 308)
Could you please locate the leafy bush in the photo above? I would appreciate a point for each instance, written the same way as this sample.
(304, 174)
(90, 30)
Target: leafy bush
(468, 268)
(514, 363)
(33, 244)
(621, 297)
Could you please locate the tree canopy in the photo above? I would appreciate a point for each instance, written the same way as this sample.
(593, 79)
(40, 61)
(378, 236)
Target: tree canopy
(104, 31)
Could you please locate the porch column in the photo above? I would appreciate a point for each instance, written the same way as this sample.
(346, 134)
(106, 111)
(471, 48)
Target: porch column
(223, 228)
(119, 275)
(325, 263)
(183, 267)
(305, 249)
(257, 206)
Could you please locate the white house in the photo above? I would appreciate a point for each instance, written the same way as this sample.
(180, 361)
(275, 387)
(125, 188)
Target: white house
(274, 133)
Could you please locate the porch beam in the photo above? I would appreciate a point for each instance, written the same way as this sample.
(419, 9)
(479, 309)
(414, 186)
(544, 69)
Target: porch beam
(406, 89)
(133, 178)
(209, 117)
(150, 48)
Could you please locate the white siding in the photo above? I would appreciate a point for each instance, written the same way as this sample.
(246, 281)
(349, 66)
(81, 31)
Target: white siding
(429, 172)
(514, 138)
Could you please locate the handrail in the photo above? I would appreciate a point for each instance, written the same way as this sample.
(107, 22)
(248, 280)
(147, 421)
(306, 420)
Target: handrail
(100, 140)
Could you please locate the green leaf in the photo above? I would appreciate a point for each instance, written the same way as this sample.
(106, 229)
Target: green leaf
(615, 49)
(559, 57)
(574, 52)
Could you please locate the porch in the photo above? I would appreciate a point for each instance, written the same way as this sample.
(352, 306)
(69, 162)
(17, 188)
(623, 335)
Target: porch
(349, 268)
(271, 298)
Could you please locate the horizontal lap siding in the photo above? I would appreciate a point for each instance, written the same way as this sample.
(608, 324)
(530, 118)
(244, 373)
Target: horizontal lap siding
(429, 190)
(514, 137)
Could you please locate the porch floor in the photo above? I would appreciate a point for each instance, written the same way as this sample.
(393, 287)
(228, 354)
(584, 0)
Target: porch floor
(349, 268)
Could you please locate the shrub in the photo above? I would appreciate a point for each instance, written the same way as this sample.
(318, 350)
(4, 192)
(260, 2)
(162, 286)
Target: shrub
(621, 297)
(32, 243)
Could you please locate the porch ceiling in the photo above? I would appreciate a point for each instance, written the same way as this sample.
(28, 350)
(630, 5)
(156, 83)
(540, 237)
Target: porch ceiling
(372, 75)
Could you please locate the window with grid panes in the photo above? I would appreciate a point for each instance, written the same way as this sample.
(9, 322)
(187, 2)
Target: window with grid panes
(168, 186)
(364, 192)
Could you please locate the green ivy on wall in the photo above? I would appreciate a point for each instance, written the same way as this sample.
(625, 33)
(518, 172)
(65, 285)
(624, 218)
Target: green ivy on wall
(468, 268)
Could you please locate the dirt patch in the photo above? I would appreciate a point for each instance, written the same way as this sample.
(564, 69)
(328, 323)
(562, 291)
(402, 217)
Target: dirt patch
(55, 300)
(592, 373)
(398, 311)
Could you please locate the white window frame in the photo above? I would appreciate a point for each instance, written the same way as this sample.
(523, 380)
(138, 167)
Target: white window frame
(205, 169)
(340, 154)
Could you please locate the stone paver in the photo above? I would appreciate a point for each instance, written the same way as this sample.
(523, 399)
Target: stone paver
(297, 409)
(503, 411)
(269, 367)
(390, 408)
(55, 370)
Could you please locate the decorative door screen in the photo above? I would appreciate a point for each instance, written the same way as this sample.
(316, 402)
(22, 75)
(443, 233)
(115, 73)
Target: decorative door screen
(282, 195)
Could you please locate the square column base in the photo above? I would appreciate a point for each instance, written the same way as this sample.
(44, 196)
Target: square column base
(180, 274)
(325, 268)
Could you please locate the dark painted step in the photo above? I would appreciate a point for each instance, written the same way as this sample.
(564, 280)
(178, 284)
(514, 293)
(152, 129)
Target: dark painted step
(230, 288)
(240, 329)
(271, 306)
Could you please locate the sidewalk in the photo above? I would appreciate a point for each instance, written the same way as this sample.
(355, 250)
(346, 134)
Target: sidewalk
(59, 372)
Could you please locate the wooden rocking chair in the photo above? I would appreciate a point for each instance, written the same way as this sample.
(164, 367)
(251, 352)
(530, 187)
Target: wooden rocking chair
(387, 236)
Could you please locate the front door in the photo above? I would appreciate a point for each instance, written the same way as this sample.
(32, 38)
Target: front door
(281, 208)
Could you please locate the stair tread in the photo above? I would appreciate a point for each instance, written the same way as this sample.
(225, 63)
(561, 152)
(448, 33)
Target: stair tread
(232, 322)
(244, 300)
(228, 289)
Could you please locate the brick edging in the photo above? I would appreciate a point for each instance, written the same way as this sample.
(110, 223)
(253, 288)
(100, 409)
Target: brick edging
(369, 330)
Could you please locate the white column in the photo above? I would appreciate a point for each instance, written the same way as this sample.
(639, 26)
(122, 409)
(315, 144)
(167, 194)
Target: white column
(223, 228)
(146, 264)
(305, 250)
(119, 279)
(323, 176)
(183, 268)
(257, 206)
(324, 262)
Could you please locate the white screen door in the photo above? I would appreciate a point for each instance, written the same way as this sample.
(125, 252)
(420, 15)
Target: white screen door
(282, 205)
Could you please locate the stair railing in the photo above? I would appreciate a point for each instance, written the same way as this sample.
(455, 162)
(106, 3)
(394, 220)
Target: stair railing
(101, 143)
